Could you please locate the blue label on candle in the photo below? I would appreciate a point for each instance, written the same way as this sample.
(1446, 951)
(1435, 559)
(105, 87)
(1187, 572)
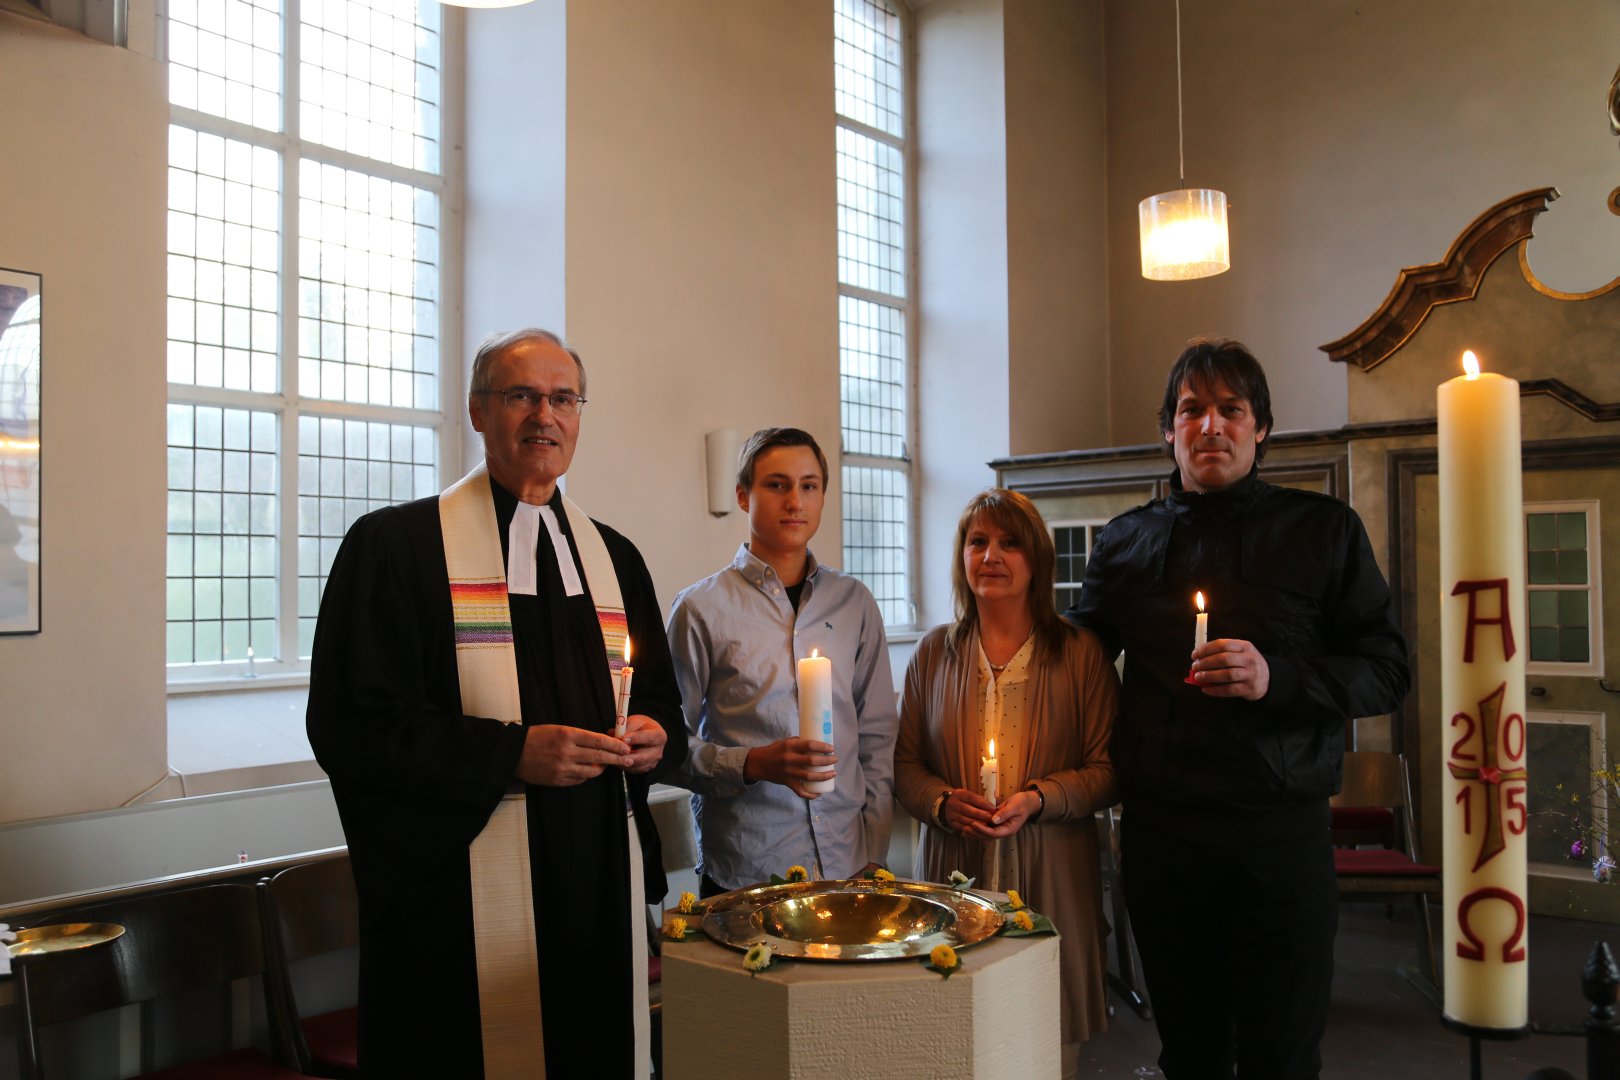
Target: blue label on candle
(826, 729)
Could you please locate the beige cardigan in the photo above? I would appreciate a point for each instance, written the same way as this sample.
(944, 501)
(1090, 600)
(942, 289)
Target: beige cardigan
(1071, 709)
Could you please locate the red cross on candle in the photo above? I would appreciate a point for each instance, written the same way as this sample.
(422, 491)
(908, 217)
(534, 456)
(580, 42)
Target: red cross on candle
(1489, 773)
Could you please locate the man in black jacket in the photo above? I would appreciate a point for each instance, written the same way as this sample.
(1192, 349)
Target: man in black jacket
(1227, 753)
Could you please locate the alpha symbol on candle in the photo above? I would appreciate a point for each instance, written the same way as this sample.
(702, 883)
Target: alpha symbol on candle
(1504, 617)
(1489, 773)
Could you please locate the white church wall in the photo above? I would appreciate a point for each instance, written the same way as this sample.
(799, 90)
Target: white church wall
(1352, 139)
(82, 186)
(701, 257)
(962, 271)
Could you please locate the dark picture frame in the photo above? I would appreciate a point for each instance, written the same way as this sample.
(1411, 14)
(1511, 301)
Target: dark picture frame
(21, 360)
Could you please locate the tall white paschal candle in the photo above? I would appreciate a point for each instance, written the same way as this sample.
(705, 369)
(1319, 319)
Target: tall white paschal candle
(1483, 638)
(815, 707)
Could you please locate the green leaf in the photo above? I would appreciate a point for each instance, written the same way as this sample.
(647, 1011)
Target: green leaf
(944, 973)
(1042, 925)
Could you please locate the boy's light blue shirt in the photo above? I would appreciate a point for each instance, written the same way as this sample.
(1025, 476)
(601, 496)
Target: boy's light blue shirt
(736, 641)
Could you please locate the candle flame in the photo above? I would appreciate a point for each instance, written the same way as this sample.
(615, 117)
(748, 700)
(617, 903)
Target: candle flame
(814, 653)
(1470, 364)
(992, 748)
(1199, 598)
(250, 652)
(627, 649)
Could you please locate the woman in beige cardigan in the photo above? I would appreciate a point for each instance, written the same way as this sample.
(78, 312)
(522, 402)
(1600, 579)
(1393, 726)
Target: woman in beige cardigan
(1010, 669)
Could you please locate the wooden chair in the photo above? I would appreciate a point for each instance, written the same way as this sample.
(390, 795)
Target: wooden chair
(1375, 784)
(173, 943)
(309, 909)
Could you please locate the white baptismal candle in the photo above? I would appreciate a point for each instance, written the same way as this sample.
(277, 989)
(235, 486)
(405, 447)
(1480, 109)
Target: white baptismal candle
(1200, 624)
(990, 775)
(621, 718)
(815, 707)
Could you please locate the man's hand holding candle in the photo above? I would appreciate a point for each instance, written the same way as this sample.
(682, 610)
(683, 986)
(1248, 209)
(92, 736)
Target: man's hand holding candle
(793, 763)
(1231, 667)
(646, 738)
(556, 755)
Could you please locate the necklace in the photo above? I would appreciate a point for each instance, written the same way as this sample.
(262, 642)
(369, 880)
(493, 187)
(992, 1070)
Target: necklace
(999, 668)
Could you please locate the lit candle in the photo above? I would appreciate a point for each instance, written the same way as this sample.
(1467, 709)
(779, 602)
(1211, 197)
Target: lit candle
(250, 672)
(621, 717)
(990, 775)
(815, 707)
(1200, 624)
(1482, 650)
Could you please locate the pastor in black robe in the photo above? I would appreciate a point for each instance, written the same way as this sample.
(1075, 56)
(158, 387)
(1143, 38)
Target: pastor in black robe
(415, 780)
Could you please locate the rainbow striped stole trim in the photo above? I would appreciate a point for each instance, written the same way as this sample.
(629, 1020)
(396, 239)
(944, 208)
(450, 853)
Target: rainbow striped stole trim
(615, 632)
(481, 613)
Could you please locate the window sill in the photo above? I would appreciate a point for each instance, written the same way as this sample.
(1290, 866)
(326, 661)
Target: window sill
(232, 684)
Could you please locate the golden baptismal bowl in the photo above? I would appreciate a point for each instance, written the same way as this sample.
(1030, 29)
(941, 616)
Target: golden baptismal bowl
(851, 920)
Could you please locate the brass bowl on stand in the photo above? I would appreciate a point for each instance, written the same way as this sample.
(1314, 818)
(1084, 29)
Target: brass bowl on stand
(851, 920)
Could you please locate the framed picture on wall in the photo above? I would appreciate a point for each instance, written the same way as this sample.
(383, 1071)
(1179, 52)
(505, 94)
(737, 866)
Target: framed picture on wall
(20, 322)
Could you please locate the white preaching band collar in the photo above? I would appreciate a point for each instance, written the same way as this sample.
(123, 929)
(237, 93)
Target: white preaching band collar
(523, 537)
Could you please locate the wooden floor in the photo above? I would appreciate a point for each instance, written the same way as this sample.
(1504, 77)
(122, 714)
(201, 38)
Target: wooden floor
(1381, 1028)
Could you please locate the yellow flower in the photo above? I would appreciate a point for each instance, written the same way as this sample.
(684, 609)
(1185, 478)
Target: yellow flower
(943, 957)
(797, 874)
(882, 877)
(676, 929)
(757, 958)
(1014, 899)
(1023, 921)
(688, 901)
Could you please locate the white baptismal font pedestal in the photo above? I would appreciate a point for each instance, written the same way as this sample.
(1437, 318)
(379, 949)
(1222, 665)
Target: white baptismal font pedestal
(996, 1017)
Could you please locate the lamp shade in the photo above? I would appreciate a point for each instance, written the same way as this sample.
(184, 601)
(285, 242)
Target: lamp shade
(1184, 234)
(484, 3)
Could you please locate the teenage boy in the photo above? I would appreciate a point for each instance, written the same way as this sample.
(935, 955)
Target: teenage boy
(736, 638)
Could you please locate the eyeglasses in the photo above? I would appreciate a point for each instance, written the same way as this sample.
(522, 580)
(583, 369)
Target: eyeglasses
(527, 399)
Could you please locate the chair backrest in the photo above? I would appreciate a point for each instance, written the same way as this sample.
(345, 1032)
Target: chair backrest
(1379, 778)
(308, 909)
(312, 908)
(1372, 778)
(172, 943)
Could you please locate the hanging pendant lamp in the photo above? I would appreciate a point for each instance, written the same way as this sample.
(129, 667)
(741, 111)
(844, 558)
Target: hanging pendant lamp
(1184, 232)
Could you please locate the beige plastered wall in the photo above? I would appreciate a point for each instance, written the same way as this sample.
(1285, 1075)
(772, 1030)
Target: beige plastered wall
(701, 257)
(1352, 138)
(82, 194)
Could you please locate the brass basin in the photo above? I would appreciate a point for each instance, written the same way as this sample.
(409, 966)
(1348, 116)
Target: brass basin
(851, 920)
(62, 937)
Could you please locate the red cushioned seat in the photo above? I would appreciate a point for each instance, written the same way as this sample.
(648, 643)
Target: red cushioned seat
(1374, 806)
(332, 1039)
(655, 969)
(1378, 861)
(236, 1065)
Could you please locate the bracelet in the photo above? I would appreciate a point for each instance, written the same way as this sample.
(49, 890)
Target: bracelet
(1040, 809)
(938, 812)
